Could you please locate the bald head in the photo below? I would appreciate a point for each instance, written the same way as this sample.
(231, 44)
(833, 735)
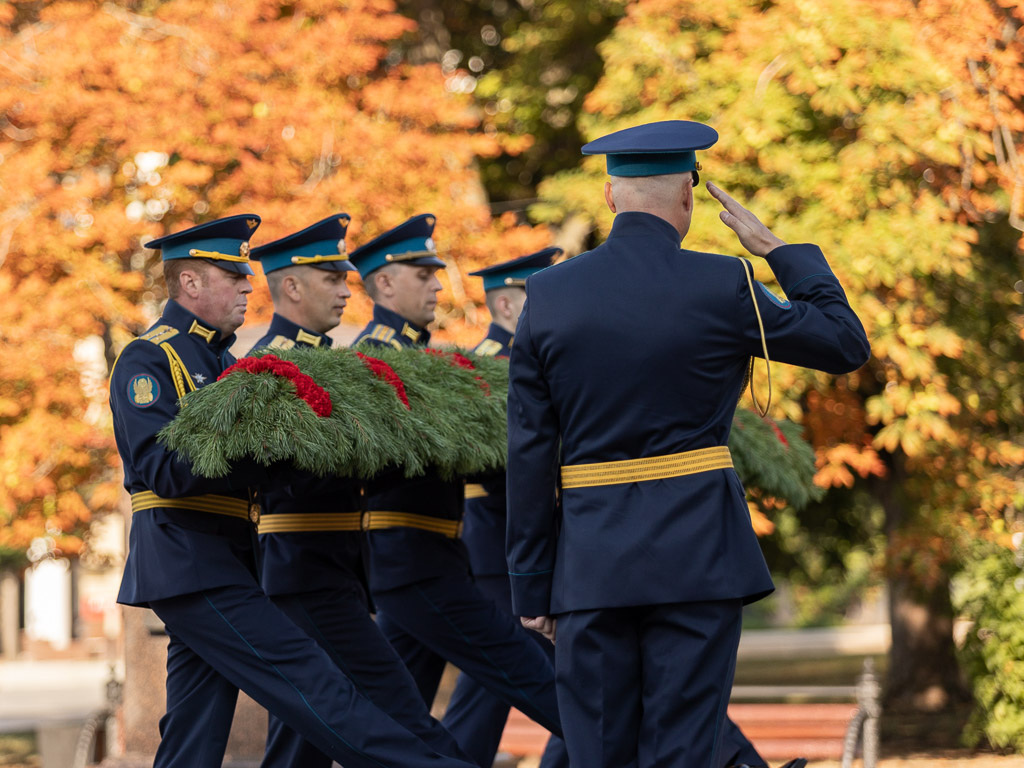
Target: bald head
(669, 196)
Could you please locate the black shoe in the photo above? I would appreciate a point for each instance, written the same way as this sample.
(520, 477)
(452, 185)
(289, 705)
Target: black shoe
(798, 762)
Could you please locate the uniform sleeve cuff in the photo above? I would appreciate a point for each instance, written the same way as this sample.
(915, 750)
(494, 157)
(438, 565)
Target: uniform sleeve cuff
(531, 593)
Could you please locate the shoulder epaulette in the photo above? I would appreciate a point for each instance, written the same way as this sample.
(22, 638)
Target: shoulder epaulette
(160, 334)
(488, 348)
(281, 342)
(179, 373)
(384, 334)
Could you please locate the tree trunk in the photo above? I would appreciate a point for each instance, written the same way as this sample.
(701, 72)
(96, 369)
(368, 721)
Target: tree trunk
(923, 672)
(924, 675)
(10, 629)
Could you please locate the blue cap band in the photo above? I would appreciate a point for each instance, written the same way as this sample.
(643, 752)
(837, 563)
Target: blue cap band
(651, 163)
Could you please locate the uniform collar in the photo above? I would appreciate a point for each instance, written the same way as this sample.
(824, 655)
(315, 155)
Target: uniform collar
(180, 318)
(500, 335)
(638, 224)
(407, 333)
(281, 326)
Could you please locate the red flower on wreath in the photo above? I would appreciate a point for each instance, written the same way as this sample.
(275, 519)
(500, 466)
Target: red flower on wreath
(382, 370)
(305, 388)
(778, 433)
(461, 361)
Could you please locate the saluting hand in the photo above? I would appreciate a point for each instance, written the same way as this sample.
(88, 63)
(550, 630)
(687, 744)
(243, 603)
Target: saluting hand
(544, 624)
(753, 235)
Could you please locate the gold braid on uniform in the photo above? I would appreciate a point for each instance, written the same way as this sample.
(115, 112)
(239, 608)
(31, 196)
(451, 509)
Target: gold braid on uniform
(748, 270)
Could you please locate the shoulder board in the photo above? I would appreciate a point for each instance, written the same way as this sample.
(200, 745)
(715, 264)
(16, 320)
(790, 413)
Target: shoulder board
(488, 348)
(381, 333)
(160, 334)
(280, 342)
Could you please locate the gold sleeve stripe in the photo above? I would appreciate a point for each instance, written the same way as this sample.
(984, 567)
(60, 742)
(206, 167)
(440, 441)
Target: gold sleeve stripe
(475, 491)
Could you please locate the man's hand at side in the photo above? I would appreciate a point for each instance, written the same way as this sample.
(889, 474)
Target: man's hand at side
(544, 624)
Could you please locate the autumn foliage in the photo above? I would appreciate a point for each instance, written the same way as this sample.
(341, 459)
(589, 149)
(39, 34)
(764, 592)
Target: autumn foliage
(887, 131)
(124, 121)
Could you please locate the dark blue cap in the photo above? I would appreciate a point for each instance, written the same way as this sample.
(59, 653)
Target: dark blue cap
(321, 245)
(225, 242)
(408, 243)
(654, 149)
(514, 272)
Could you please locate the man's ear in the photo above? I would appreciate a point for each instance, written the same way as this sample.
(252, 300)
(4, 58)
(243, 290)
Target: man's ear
(503, 306)
(382, 281)
(609, 196)
(291, 288)
(191, 282)
(688, 196)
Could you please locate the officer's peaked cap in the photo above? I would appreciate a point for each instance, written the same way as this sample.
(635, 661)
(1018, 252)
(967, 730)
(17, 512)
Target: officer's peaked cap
(224, 242)
(515, 272)
(654, 149)
(321, 245)
(411, 242)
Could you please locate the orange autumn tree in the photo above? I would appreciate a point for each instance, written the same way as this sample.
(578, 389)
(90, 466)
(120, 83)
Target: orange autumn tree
(123, 122)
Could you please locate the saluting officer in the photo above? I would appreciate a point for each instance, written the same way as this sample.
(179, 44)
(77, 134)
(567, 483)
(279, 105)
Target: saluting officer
(191, 554)
(630, 384)
(428, 606)
(474, 716)
(310, 530)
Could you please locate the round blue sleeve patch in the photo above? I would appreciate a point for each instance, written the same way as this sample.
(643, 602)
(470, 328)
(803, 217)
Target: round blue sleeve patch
(143, 390)
(781, 303)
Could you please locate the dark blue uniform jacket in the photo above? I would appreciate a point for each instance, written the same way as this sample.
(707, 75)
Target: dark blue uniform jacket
(173, 551)
(297, 561)
(640, 349)
(402, 556)
(484, 524)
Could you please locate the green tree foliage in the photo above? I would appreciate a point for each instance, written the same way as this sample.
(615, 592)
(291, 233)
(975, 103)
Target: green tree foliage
(529, 65)
(851, 124)
(992, 598)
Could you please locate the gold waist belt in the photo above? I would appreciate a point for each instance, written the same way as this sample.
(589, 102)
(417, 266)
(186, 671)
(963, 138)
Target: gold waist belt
(311, 521)
(653, 468)
(378, 520)
(221, 505)
(475, 491)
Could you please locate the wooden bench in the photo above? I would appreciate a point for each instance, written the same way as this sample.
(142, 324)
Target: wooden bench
(783, 722)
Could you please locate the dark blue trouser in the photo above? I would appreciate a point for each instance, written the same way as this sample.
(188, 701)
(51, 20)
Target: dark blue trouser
(340, 623)
(475, 717)
(736, 749)
(233, 637)
(450, 619)
(647, 686)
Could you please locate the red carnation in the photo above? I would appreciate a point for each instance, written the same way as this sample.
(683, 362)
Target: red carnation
(382, 370)
(778, 433)
(462, 362)
(318, 398)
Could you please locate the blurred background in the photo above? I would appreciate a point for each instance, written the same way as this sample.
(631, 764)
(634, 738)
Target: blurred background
(889, 132)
